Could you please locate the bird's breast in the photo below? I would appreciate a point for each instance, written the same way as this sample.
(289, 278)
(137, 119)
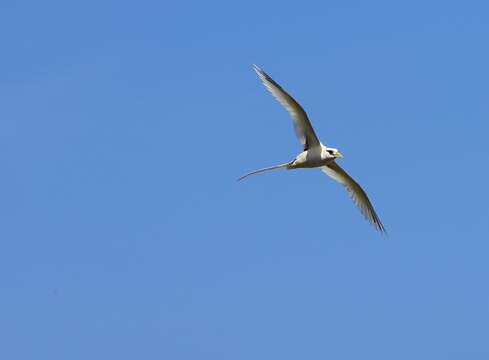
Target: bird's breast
(310, 159)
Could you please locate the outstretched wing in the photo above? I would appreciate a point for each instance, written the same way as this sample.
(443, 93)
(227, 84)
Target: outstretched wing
(302, 125)
(356, 193)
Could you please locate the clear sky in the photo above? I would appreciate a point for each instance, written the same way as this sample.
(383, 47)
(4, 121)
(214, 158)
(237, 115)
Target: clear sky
(124, 234)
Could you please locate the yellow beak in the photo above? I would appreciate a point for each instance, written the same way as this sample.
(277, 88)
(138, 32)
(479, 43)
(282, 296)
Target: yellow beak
(338, 154)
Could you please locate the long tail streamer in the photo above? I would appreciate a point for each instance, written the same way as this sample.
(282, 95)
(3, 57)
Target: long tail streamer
(266, 169)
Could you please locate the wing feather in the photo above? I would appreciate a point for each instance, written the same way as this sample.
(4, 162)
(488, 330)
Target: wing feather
(302, 125)
(356, 192)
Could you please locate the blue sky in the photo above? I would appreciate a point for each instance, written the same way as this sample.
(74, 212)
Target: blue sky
(125, 235)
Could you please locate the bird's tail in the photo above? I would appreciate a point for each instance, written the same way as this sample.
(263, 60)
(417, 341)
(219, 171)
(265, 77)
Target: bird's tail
(266, 169)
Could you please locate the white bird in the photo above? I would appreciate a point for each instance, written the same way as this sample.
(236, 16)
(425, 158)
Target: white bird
(315, 154)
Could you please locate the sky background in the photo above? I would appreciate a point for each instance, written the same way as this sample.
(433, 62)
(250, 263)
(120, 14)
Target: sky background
(124, 234)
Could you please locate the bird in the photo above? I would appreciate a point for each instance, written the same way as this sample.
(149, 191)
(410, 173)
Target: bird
(315, 154)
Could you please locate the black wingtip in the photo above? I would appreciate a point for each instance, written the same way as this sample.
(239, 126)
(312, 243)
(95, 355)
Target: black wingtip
(380, 227)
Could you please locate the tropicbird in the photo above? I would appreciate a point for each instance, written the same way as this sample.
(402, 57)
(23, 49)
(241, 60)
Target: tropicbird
(315, 154)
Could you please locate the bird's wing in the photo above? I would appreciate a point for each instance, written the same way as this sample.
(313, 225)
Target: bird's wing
(302, 125)
(356, 193)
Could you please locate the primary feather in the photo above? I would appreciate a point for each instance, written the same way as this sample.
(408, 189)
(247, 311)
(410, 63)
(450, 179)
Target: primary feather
(356, 192)
(302, 125)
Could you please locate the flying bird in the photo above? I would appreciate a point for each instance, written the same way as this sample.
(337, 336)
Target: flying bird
(315, 154)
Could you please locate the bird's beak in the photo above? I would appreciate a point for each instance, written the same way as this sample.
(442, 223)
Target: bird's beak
(338, 154)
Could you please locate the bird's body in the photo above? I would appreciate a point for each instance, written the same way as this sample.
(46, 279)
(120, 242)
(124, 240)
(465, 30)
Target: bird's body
(314, 157)
(315, 154)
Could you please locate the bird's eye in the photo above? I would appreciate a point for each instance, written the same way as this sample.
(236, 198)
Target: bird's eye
(330, 152)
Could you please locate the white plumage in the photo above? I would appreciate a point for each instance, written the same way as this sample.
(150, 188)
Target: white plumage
(315, 154)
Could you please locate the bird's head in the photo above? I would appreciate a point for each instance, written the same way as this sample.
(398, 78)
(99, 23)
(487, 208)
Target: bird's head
(334, 152)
